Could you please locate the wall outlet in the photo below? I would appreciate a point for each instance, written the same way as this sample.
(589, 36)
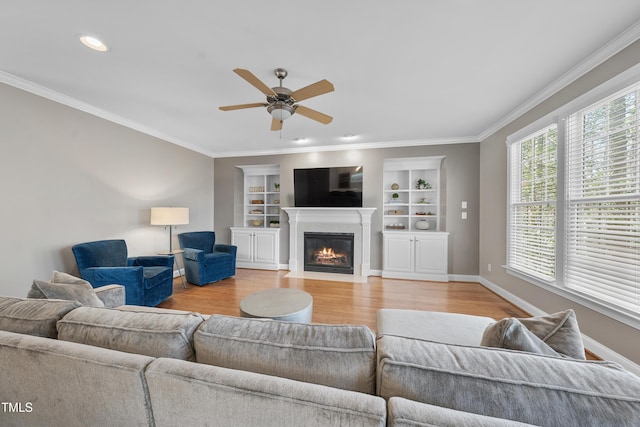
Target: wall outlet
(463, 215)
(489, 268)
(464, 205)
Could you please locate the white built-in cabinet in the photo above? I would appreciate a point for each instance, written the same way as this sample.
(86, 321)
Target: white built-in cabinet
(414, 247)
(258, 239)
(257, 248)
(415, 255)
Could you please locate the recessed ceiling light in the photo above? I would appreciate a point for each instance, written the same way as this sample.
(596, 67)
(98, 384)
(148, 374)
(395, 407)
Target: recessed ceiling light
(349, 136)
(94, 43)
(300, 140)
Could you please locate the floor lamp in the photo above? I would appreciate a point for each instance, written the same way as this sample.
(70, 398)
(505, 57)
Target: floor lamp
(170, 217)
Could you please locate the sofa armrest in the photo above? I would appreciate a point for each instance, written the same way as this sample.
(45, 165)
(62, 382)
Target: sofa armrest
(193, 254)
(153, 261)
(231, 249)
(111, 295)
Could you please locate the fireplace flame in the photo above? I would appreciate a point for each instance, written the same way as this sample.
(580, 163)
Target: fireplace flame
(329, 256)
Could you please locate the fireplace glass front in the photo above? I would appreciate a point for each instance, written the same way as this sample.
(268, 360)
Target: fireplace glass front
(328, 252)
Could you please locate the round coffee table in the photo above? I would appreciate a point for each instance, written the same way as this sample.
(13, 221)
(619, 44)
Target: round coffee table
(291, 305)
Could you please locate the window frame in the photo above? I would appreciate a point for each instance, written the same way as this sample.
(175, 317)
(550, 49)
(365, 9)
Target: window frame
(559, 117)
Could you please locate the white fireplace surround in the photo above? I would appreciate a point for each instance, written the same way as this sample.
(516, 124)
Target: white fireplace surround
(330, 220)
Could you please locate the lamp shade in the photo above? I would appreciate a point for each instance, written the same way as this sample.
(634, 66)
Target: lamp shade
(169, 216)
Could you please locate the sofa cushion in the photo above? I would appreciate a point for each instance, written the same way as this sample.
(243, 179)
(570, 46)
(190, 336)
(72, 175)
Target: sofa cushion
(81, 292)
(341, 356)
(525, 387)
(407, 413)
(189, 394)
(156, 334)
(451, 328)
(549, 334)
(70, 384)
(33, 316)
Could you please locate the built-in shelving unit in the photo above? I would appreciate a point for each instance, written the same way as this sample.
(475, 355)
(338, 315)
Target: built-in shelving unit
(411, 194)
(261, 196)
(258, 239)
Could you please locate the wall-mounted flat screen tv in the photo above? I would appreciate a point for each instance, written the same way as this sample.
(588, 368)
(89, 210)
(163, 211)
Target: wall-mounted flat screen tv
(328, 187)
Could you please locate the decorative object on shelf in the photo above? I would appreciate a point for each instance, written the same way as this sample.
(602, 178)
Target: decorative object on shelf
(274, 224)
(170, 217)
(276, 185)
(423, 224)
(276, 202)
(421, 213)
(423, 200)
(256, 189)
(395, 186)
(395, 227)
(256, 211)
(421, 184)
(396, 212)
(256, 222)
(257, 202)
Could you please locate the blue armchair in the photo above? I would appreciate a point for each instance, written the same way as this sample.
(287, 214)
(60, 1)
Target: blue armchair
(204, 261)
(148, 280)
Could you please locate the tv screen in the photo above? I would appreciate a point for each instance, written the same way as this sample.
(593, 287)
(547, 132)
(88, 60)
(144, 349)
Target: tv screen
(328, 187)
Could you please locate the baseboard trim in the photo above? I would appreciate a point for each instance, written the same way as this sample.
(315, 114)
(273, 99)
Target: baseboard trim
(594, 346)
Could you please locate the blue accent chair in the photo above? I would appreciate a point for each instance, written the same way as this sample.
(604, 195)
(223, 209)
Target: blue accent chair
(204, 261)
(148, 280)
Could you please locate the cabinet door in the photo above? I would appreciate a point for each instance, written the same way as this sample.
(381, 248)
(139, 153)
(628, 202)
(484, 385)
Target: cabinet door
(398, 252)
(431, 253)
(264, 247)
(243, 240)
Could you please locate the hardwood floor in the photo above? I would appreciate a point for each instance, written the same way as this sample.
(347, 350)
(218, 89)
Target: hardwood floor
(344, 303)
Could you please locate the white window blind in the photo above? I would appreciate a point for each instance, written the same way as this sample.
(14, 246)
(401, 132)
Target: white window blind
(602, 187)
(532, 204)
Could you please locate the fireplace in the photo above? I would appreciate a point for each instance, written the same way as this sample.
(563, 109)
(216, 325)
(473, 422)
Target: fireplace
(328, 252)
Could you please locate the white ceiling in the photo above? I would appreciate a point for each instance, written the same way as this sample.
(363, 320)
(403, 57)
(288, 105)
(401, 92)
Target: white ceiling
(405, 72)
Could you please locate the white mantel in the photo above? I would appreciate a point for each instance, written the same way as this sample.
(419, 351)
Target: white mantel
(331, 220)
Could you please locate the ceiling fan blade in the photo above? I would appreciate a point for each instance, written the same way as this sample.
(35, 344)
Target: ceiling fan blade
(241, 106)
(276, 124)
(253, 80)
(315, 89)
(313, 114)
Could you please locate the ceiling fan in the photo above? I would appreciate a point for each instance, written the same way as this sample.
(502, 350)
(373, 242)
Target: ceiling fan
(282, 102)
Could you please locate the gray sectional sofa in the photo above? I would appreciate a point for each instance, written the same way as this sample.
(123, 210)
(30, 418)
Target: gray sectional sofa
(67, 364)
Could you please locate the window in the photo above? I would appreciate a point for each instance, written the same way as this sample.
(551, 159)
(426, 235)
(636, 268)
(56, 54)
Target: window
(603, 201)
(533, 204)
(574, 201)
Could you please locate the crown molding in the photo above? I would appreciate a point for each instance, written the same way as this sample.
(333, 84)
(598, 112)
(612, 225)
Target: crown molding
(629, 36)
(344, 147)
(74, 103)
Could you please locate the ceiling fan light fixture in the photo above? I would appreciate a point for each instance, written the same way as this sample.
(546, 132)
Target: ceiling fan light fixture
(280, 110)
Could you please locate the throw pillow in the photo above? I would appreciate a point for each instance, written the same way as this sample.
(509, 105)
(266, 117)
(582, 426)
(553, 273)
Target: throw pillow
(59, 277)
(513, 335)
(81, 292)
(560, 331)
(554, 334)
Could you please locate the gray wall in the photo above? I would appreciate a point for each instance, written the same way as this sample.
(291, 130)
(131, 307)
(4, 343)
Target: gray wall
(493, 191)
(69, 177)
(460, 179)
